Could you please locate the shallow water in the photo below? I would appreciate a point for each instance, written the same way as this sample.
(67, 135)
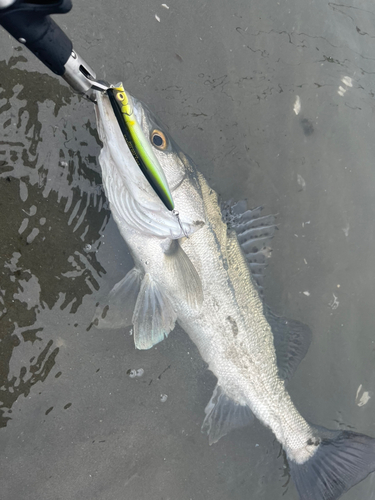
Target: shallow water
(228, 80)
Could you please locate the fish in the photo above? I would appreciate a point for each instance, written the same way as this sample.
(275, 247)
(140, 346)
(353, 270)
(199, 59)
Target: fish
(204, 271)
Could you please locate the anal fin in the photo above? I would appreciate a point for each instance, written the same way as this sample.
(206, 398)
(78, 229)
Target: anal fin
(153, 316)
(224, 415)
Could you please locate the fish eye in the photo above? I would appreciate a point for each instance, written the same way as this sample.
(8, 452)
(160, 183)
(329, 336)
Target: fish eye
(120, 96)
(158, 139)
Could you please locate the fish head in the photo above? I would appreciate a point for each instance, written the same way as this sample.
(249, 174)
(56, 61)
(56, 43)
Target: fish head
(164, 148)
(132, 197)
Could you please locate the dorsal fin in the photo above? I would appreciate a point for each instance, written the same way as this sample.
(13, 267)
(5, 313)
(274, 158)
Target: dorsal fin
(291, 340)
(254, 233)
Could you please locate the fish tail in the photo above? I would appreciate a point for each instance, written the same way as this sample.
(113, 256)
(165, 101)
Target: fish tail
(341, 460)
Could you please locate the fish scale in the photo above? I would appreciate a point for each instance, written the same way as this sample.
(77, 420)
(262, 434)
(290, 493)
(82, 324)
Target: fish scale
(251, 353)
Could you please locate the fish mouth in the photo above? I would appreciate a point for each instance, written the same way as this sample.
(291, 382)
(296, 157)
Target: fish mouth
(119, 168)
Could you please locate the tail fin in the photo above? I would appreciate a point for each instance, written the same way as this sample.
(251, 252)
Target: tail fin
(342, 460)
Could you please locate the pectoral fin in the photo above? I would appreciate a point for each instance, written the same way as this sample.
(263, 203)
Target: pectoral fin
(178, 265)
(117, 311)
(153, 316)
(224, 415)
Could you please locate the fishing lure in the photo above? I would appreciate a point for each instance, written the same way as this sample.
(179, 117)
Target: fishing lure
(139, 145)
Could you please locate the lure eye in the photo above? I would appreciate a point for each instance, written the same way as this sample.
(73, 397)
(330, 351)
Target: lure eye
(158, 139)
(120, 96)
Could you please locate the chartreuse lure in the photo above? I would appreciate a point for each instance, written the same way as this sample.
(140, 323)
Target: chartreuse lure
(139, 145)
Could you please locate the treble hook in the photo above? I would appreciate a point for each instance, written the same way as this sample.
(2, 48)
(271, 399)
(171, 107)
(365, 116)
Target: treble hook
(177, 214)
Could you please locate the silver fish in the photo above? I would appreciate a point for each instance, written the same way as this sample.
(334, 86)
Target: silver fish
(196, 271)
